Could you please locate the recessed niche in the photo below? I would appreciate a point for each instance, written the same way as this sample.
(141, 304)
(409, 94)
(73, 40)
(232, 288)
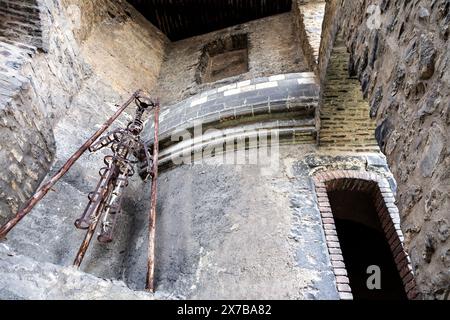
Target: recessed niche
(223, 58)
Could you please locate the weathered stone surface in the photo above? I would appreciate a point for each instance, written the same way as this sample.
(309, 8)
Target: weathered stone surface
(25, 278)
(124, 49)
(308, 19)
(37, 93)
(56, 100)
(432, 152)
(423, 12)
(270, 39)
(345, 121)
(410, 198)
(294, 93)
(378, 97)
(427, 57)
(208, 260)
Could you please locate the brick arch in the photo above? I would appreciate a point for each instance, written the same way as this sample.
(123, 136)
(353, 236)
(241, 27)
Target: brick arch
(379, 189)
(20, 22)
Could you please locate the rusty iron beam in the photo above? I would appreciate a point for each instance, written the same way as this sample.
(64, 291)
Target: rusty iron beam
(152, 216)
(42, 191)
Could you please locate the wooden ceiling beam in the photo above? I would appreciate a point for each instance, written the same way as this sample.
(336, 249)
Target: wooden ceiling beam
(180, 19)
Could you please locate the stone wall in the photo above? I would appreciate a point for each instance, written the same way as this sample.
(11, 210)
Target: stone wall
(399, 52)
(47, 234)
(330, 27)
(35, 91)
(404, 69)
(265, 101)
(123, 48)
(51, 103)
(53, 282)
(241, 234)
(345, 124)
(272, 49)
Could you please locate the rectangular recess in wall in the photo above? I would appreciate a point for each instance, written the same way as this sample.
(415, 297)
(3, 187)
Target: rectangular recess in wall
(223, 58)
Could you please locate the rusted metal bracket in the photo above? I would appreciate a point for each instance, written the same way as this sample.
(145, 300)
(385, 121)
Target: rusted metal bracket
(105, 202)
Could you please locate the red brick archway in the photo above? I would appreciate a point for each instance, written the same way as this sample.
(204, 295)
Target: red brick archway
(379, 190)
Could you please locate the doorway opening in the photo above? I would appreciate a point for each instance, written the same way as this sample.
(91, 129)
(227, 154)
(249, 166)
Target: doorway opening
(363, 244)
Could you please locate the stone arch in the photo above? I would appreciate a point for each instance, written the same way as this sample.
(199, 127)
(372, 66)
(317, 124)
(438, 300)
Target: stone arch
(20, 23)
(379, 190)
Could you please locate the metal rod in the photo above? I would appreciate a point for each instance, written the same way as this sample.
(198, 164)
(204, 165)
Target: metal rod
(42, 191)
(87, 240)
(96, 218)
(152, 216)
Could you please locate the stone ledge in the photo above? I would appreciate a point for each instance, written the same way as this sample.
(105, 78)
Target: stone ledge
(25, 278)
(309, 18)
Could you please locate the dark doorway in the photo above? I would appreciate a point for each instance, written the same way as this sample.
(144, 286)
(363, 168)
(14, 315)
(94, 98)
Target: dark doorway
(363, 244)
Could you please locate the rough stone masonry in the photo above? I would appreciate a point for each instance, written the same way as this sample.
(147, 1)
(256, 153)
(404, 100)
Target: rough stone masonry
(404, 69)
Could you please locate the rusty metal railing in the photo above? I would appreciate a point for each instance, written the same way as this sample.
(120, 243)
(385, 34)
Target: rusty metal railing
(105, 201)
